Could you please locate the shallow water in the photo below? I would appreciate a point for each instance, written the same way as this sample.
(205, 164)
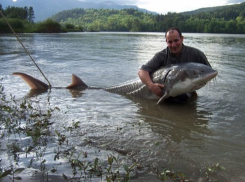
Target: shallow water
(186, 138)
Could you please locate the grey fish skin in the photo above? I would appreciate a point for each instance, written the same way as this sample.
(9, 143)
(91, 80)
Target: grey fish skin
(133, 88)
(177, 79)
(186, 78)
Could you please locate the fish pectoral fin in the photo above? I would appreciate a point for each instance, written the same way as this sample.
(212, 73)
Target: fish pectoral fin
(162, 98)
(77, 83)
(32, 82)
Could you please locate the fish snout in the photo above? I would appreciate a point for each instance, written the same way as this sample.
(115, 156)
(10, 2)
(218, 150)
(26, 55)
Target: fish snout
(212, 75)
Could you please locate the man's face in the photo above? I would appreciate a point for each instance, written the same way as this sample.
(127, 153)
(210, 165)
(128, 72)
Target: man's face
(174, 41)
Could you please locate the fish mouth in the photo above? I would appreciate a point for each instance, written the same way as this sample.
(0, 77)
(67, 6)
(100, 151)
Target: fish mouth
(207, 78)
(199, 86)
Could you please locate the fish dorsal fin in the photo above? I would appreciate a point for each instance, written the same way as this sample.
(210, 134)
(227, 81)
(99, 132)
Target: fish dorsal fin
(77, 83)
(162, 98)
(32, 82)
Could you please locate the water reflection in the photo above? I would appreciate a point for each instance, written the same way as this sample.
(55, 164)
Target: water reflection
(177, 122)
(173, 135)
(210, 126)
(35, 92)
(75, 93)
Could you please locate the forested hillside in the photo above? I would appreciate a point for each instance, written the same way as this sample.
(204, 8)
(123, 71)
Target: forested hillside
(46, 8)
(107, 20)
(21, 20)
(226, 19)
(221, 10)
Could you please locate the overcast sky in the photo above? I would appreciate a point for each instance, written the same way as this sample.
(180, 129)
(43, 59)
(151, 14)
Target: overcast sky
(164, 6)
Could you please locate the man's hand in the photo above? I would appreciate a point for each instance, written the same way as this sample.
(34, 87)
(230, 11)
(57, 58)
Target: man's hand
(156, 88)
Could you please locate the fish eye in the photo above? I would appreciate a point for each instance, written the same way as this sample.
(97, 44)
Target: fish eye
(194, 73)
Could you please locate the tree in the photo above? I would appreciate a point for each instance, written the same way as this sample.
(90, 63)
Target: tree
(49, 26)
(31, 14)
(16, 12)
(136, 27)
(69, 26)
(221, 20)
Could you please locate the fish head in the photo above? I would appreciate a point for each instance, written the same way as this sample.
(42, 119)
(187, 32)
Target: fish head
(188, 77)
(200, 75)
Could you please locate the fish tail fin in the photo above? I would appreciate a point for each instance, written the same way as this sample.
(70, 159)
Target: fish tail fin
(32, 82)
(77, 83)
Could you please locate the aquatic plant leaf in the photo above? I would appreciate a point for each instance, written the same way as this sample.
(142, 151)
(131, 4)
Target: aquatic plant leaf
(222, 167)
(19, 170)
(126, 168)
(53, 170)
(65, 177)
(17, 178)
(5, 173)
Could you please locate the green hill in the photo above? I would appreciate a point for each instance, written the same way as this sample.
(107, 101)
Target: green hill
(107, 20)
(220, 10)
(223, 19)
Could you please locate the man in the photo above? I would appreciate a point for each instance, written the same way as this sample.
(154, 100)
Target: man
(176, 52)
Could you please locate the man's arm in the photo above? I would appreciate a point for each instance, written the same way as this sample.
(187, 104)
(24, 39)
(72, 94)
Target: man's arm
(156, 88)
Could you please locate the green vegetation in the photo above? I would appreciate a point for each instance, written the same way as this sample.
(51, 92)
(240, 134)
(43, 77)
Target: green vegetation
(28, 130)
(226, 19)
(48, 26)
(19, 13)
(21, 20)
(107, 20)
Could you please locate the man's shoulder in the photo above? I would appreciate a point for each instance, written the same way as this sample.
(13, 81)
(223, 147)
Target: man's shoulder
(196, 55)
(162, 52)
(192, 49)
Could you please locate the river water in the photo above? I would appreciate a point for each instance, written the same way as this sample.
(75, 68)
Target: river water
(185, 138)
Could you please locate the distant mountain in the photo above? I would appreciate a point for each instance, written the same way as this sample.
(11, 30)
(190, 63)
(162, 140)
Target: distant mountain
(238, 7)
(202, 10)
(44, 9)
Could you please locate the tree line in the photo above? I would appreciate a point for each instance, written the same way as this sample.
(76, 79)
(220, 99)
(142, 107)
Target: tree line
(19, 13)
(22, 21)
(226, 19)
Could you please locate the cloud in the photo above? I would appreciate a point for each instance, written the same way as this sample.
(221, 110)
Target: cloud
(234, 1)
(163, 7)
(178, 5)
(120, 2)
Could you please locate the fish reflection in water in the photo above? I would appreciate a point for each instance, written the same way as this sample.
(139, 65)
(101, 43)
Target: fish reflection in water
(175, 121)
(175, 129)
(179, 120)
(75, 93)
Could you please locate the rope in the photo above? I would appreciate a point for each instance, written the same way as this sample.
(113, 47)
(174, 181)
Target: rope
(25, 49)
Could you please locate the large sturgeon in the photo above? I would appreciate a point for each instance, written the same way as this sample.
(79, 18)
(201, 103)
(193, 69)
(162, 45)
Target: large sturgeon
(177, 80)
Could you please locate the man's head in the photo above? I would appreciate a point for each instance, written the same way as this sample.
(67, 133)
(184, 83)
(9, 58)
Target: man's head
(174, 40)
